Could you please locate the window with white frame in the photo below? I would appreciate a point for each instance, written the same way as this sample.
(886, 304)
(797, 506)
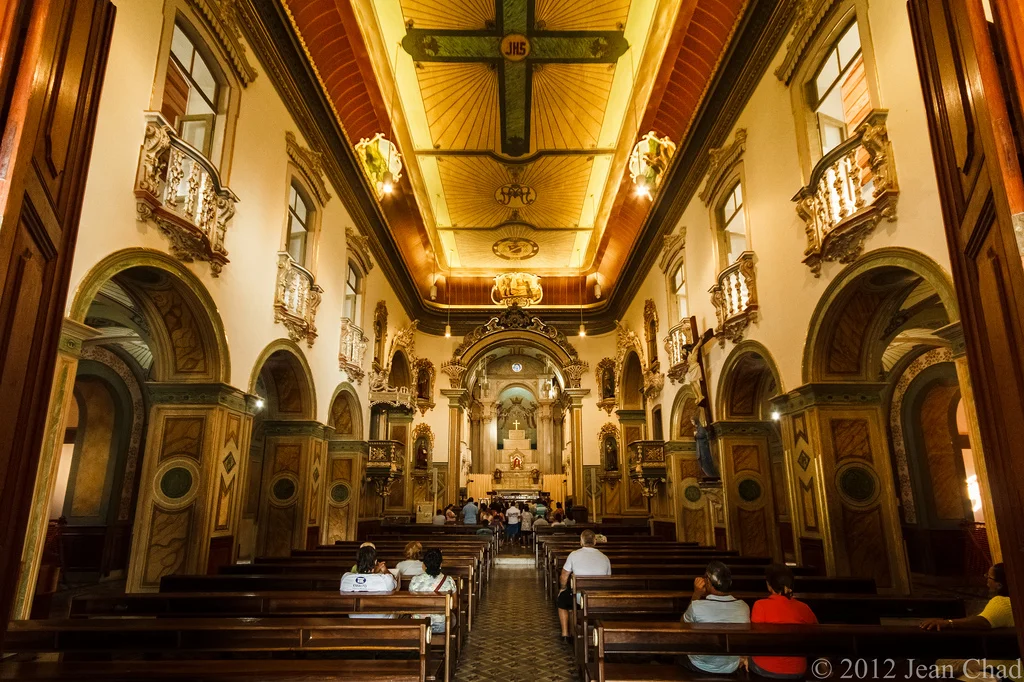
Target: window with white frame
(191, 92)
(838, 91)
(353, 294)
(733, 225)
(300, 214)
(679, 293)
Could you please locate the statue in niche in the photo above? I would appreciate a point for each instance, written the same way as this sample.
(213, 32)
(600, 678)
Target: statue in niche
(423, 384)
(608, 383)
(466, 462)
(703, 440)
(422, 455)
(611, 454)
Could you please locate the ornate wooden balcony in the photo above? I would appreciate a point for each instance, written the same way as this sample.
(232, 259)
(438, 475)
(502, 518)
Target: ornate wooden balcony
(296, 299)
(180, 190)
(353, 348)
(735, 298)
(678, 343)
(850, 190)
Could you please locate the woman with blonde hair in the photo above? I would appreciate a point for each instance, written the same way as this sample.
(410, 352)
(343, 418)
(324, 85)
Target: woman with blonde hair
(412, 564)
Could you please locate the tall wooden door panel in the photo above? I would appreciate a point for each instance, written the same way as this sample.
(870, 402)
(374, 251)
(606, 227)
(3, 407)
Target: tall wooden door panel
(980, 190)
(47, 122)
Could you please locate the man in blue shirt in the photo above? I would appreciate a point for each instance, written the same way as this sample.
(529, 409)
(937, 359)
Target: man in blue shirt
(712, 603)
(469, 513)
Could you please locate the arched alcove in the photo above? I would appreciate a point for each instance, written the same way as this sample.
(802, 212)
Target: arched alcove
(346, 415)
(631, 383)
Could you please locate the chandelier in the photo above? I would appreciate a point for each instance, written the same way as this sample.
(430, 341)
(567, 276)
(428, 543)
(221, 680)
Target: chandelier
(648, 163)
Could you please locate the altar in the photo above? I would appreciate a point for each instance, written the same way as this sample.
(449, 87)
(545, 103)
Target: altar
(518, 469)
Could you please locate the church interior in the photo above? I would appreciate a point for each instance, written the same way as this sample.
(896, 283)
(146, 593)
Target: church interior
(714, 284)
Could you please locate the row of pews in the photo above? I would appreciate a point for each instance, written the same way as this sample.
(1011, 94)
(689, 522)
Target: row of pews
(627, 626)
(279, 619)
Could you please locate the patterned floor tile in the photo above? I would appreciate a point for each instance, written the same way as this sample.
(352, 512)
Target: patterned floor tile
(515, 636)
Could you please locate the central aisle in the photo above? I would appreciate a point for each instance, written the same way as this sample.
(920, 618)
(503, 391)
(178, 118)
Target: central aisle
(515, 636)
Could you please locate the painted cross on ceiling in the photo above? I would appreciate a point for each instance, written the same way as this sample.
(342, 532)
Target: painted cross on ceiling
(514, 47)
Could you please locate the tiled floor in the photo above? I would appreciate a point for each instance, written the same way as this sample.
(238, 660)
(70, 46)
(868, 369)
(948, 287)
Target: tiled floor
(515, 636)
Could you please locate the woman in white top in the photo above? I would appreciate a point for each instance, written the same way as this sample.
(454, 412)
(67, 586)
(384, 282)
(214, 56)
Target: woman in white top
(433, 581)
(411, 565)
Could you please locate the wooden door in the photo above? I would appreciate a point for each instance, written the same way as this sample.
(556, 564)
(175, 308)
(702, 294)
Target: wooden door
(54, 54)
(980, 188)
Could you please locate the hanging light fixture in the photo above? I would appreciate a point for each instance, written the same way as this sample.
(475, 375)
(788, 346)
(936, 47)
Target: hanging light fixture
(448, 288)
(579, 278)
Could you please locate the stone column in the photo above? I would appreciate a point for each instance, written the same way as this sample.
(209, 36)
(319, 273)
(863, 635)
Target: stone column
(292, 501)
(190, 496)
(488, 437)
(745, 467)
(73, 335)
(456, 404)
(545, 437)
(576, 396)
(842, 489)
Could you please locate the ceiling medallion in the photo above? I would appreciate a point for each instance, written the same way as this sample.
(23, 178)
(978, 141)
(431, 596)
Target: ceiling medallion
(515, 47)
(515, 248)
(515, 195)
(648, 162)
(517, 289)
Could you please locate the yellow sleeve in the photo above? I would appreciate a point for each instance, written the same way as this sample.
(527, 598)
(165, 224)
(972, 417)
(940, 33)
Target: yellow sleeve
(998, 612)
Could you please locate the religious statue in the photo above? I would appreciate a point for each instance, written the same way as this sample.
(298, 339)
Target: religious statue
(466, 462)
(423, 384)
(707, 462)
(608, 383)
(422, 456)
(497, 475)
(611, 454)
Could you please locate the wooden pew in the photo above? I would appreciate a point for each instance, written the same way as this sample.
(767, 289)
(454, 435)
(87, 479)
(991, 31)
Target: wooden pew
(213, 638)
(253, 583)
(271, 670)
(680, 583)
(861, 609)
(632, 640)
(280, 604)
(391, 556)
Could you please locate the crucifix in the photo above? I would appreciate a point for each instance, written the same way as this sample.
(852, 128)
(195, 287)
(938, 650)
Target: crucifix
(514, 47)
(516, 424)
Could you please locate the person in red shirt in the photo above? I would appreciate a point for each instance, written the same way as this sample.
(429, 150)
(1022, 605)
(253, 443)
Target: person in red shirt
(780, 607)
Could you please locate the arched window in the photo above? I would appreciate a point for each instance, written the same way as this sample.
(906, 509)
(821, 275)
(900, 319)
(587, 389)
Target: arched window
(300, 222)
(679, 293)
(838, 91)
(732, 225)
(353, 294)
(192, 90)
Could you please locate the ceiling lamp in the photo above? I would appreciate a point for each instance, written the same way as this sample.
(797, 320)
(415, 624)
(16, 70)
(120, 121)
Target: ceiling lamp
(382, 163)
(448, 290)
(579, 279)
(648, 163)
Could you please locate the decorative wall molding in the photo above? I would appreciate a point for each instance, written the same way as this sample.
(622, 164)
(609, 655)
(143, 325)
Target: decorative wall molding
(809, 17)
(199, 394)
(808, 395)
(514, 318)
(358, 248)
(721, 161)
(221, 17)
(671, 249)
(454, 370)
(310, 165)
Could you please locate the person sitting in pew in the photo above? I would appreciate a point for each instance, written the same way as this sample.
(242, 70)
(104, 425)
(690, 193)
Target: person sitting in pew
(432, 581)
(996, 614)
(587, 560)
(541, 521)
(440, 518)
(712, 603)
(411, 565)
(369, 575)
(779, 607)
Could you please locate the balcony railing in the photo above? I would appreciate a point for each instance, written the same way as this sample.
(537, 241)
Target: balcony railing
(678, 343)
(180, 190)
(353, 348)
(296, 299)
(735, 298)
(850, 190)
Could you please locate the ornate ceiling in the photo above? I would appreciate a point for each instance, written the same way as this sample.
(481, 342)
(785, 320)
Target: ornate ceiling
(515, 119)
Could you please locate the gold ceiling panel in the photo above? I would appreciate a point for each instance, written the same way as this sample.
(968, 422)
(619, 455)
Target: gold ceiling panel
(550, 192)
(550, 249)
(461, 103)
(581, 15)
(569, 102)
(474, 15)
